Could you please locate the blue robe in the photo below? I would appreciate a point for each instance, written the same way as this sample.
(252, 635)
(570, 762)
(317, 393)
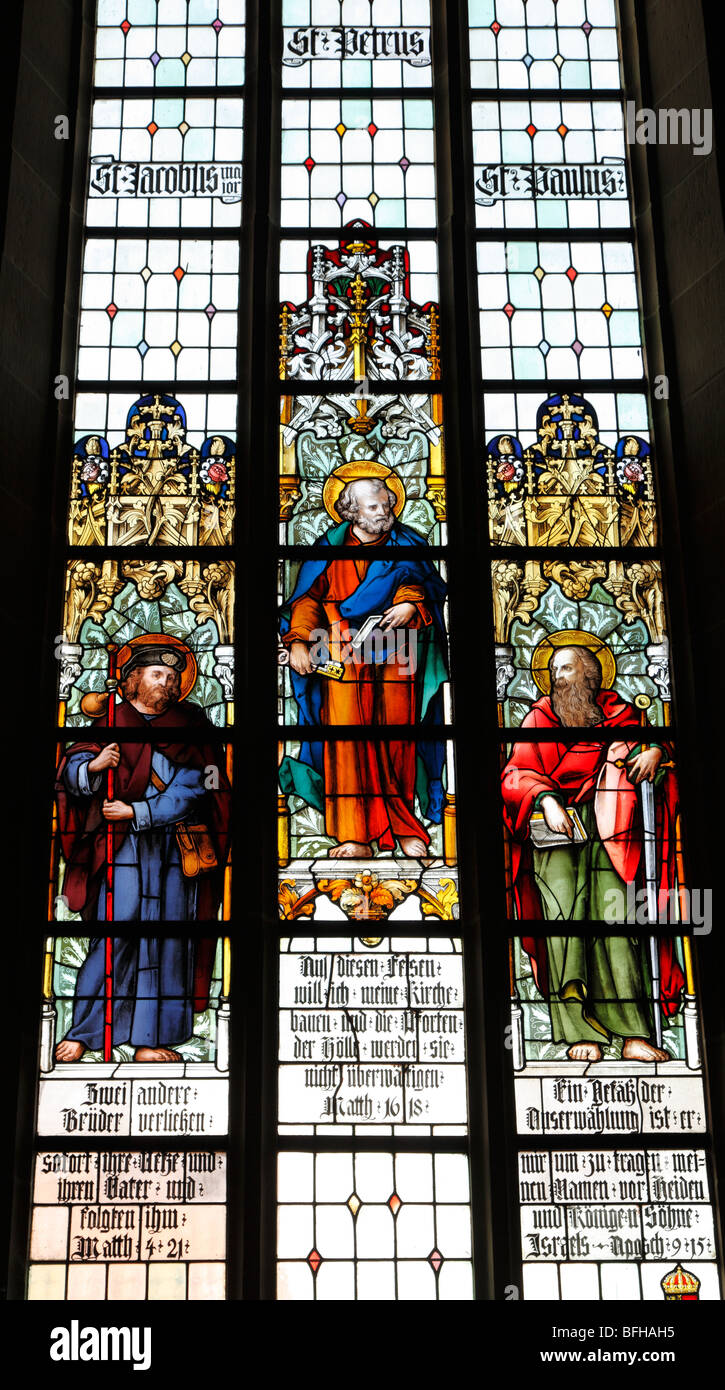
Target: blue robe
(148, 884)
(153, 988)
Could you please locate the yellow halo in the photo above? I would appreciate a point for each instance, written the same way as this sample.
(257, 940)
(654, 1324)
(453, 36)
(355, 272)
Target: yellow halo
(350, 472)
(572, 637)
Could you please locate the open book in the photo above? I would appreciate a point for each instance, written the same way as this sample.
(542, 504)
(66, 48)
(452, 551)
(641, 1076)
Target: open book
(369, 629)
(544, 838)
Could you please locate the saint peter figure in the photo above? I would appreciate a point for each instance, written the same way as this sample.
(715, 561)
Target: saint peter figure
(367, 788)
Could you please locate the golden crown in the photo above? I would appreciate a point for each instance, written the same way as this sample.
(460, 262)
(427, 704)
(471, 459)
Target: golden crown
(680, 1283)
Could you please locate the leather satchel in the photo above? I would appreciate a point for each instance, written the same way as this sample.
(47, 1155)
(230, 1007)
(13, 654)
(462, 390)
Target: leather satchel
(196, 846)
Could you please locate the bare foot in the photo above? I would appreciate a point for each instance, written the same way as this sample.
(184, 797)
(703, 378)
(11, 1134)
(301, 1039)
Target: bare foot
(639, 1050)
(157, 1054)
(585, 1052)
(69, 1051)
(413, 847)
(351, 849)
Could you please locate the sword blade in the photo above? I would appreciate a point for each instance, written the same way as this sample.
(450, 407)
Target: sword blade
(650, 850)
(650, 874)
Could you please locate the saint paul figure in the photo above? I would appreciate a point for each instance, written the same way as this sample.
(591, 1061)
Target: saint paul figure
(574, 814)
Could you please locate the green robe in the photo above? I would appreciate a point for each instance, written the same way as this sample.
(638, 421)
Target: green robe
(599, 986)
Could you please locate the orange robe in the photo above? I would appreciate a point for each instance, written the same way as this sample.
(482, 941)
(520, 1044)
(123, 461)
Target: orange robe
(369, 786)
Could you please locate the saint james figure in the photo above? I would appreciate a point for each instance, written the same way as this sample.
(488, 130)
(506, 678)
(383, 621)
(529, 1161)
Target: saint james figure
(171, 820)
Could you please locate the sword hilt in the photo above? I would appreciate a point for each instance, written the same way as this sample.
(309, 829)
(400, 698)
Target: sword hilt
(622, 762)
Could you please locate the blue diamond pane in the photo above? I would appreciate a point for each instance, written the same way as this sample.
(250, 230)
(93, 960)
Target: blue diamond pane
(143, 347)
(155, 58)
(341, 199)
(544, 346)
(528, 60)
(210, 311)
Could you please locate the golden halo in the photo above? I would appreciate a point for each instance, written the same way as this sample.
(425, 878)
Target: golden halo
(572, 637)
(360, 468)
(160, 639)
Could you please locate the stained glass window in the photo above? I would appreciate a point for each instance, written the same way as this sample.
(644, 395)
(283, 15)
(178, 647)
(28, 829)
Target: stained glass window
(135, 1030)
(368, 406)
(604, 1028)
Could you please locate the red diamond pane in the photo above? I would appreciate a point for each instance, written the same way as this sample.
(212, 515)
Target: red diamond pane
(572, 273)
(563, 130)
(152, 128)
(372, 128)
(309, 164)
(495, 26)
(111, 310)
(435, 1259)
(125, 25)
(179, 274)
(394, 1203)
(531, 130)
(509, 310)
(314, 1260)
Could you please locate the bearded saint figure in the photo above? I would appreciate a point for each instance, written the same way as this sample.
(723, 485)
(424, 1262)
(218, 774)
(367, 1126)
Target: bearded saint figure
(367, 788)
(160, 787)
(598, 986)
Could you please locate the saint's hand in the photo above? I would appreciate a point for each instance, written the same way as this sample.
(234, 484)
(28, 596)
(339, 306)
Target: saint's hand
(556, 817)
(643, 767)
(299, 658)
(117, 810)
(108, 757)
(400, 615)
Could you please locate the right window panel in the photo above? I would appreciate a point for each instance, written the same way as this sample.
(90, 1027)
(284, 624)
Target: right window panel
(611, 1115)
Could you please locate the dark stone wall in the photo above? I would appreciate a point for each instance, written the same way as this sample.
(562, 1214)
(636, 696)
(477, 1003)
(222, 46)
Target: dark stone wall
(682, 231)
(32, 276)
(45, 47)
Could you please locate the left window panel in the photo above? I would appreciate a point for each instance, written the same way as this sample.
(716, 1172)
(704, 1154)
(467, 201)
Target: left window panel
(130, 1170)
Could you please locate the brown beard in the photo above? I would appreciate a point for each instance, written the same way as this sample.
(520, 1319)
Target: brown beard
(575, 705)
(137, 686)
